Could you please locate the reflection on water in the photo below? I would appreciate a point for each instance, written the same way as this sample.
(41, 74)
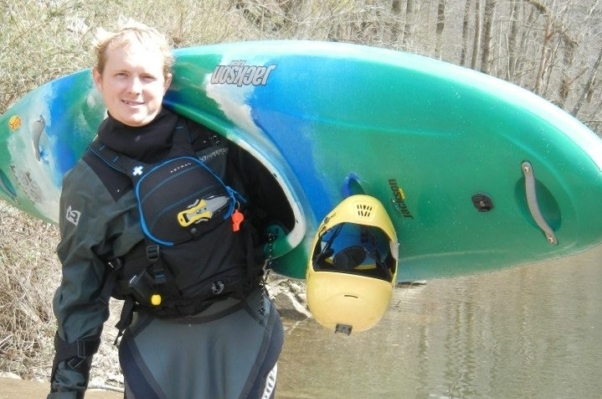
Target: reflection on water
(528, 332)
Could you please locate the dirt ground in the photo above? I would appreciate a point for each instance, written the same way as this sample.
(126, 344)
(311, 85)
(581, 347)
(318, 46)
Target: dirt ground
(19, 389)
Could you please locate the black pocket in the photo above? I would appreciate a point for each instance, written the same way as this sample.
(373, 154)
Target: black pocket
(181, 199)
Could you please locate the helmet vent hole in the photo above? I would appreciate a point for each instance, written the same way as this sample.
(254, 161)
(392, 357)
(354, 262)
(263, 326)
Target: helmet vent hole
(364, 210)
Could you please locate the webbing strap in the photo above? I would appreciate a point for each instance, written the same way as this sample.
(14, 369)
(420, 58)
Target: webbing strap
(78, 349)
(105, 295)
(76, 354)
(127, 313)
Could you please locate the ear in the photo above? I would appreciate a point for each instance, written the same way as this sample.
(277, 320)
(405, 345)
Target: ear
(168, 79)
(97, 77)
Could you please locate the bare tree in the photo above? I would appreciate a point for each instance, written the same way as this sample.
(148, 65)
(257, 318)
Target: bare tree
(440, 27)
(544, 45)
(487, 43)
(465, 29)
(396, 14)
(477, 35)
(589, 86)
(512, 40)
(545, 50)
(408, 30)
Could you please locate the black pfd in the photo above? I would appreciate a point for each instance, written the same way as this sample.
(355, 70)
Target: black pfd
(196, 251)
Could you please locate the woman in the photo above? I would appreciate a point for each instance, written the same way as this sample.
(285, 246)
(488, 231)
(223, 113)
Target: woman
(180, 342)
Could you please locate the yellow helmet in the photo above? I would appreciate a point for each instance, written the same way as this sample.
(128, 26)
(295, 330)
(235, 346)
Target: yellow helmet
(353, 266)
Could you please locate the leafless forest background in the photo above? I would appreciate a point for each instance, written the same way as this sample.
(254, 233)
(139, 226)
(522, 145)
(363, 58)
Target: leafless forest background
(551, 47)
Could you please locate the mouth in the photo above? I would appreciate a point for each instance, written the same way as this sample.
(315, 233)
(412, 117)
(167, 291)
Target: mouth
(132, 103)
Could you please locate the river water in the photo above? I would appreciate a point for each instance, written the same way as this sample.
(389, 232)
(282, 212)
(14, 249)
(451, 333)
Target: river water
(527, 332)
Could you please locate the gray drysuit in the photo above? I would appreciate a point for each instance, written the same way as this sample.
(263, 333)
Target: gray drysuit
(227, 351)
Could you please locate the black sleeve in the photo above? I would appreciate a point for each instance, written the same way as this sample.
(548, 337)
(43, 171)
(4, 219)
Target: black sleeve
(265, 197)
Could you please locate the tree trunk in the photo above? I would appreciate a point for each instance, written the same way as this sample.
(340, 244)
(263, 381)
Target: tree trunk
(512, 41)
(545, 53)
(440, 27)
(589, 86)
(487, 43)
(396, 14)
(465, 29)
(477, 35)
(409, 23)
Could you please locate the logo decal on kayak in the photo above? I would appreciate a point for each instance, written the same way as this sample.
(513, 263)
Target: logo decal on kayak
(240, 74)
(399, 200)
(14, 122)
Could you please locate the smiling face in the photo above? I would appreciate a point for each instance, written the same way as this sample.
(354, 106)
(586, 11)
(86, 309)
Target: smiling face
(132, 82)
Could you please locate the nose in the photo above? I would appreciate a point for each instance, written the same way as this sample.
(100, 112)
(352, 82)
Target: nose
(135, 85)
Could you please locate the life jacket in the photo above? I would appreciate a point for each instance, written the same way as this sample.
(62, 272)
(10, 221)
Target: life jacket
(197, 248)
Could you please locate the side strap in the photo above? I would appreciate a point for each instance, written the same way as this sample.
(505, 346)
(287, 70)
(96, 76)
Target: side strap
(115, 265)
(160, 272)
(254, 271)
(77, 355)
(79, 349)
(127, 313)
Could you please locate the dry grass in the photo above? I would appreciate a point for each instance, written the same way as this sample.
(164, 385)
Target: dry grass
(30, 272)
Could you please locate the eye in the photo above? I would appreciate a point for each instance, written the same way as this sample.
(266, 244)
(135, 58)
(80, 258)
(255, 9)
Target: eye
(148, 78)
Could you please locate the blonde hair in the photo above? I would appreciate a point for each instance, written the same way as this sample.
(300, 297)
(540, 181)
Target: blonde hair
(128, 32)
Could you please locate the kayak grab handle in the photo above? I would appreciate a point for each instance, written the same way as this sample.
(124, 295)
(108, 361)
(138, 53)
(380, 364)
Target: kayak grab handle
(533, 205)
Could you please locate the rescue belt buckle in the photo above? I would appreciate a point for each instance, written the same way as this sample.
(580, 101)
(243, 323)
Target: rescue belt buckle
(152, 253)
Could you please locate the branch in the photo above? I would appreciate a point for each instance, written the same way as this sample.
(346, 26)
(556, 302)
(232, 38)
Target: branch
(588, 86)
